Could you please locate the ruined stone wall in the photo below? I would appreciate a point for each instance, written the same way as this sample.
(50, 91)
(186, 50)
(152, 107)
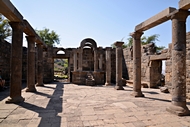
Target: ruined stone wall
(150, 70)
(48, 64)
(168, 69)
(5, 49)
(5, 57)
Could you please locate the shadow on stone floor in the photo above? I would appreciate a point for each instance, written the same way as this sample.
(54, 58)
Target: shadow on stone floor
(158, 99)
(49, 114)
(5, 93)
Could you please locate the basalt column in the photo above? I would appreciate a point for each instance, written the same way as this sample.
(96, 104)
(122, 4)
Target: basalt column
(95, 60)
(31, 64)
(119, 85)
(137, 64)
(16, 63)
(75, 59)
(108, 66)
(80, 59)
(101, 58)
(40, 65)
(179, 64)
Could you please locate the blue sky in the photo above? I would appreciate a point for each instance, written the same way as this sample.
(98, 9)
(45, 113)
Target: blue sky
(105, 21)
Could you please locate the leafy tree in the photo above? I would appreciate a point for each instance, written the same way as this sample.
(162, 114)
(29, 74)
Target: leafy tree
(144, 40)
(49, 37)
(5, 29)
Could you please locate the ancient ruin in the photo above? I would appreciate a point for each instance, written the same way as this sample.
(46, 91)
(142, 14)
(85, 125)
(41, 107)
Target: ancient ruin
(92, 65)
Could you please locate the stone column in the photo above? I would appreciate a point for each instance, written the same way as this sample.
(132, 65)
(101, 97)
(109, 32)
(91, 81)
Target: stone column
(119, 85)
(101, 58)
(100, 61)
(95, 60)
(40, 65)
(75, 59)
(108, 66)
(16, 63)
(80, 59)
(31, 64)
(137, 64)
(178, 90)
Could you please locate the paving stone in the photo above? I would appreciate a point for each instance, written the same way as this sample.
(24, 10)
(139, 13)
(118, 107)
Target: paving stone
(85, 106)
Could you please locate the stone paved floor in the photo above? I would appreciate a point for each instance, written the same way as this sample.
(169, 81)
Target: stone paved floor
(69, 105)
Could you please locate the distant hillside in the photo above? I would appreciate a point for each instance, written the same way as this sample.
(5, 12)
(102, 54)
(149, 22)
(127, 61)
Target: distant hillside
(60, 64)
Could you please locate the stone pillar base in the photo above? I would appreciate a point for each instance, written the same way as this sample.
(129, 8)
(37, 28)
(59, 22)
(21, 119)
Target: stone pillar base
(178, 110)
(31, 89)
(38, 85)
(15, 100)
(119, 88)
(108, 84)
(137, 94)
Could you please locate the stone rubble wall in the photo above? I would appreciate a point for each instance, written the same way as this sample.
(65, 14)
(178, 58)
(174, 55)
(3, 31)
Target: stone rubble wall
(5, 55)
(5, 49)
(168, 71)
(150, 70)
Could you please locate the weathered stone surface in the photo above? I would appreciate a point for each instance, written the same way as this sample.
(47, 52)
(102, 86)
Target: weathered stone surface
(164, 89)
(119, 85)
(137, 64)
(178, 105)
(9, 11)
(159, 57)
(155, 20)
(184, 4)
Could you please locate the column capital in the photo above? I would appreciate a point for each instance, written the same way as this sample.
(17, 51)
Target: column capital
(181, 15)
(118, 43)
(109, 48)
(17, 25)
(136, 34)
(31, 38)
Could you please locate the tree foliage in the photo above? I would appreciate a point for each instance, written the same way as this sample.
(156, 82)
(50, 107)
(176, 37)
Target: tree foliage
(49, 37)
(5, 29)
(144, 40)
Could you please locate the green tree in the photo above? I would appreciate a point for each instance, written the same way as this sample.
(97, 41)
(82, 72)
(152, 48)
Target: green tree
(144, 40)
(49, 37)
(5, 29)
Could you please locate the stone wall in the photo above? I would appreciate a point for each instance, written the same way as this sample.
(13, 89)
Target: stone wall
(168, 71)
(48, 64)
(5, 57)
(150, 70)
(5, 49)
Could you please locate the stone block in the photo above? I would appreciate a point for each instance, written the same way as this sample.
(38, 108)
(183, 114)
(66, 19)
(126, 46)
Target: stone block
(184, 4)
(168, 63)
(167, 77)
(168, 69)
(155, 20)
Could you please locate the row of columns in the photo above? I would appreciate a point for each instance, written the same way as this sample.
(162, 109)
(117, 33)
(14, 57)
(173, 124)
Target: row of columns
(79, 67)
(178, 90)
(16, 63)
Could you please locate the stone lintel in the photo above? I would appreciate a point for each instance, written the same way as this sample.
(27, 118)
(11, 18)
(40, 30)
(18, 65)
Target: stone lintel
(184, 4)
(61, 56)
(28, 29)
(155, 20)
(31, 32)
(159, 57)
(39, 41)
(118, 43)
(9, 11)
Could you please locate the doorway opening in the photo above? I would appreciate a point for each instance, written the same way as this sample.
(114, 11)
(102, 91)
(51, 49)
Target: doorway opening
(61, 69)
